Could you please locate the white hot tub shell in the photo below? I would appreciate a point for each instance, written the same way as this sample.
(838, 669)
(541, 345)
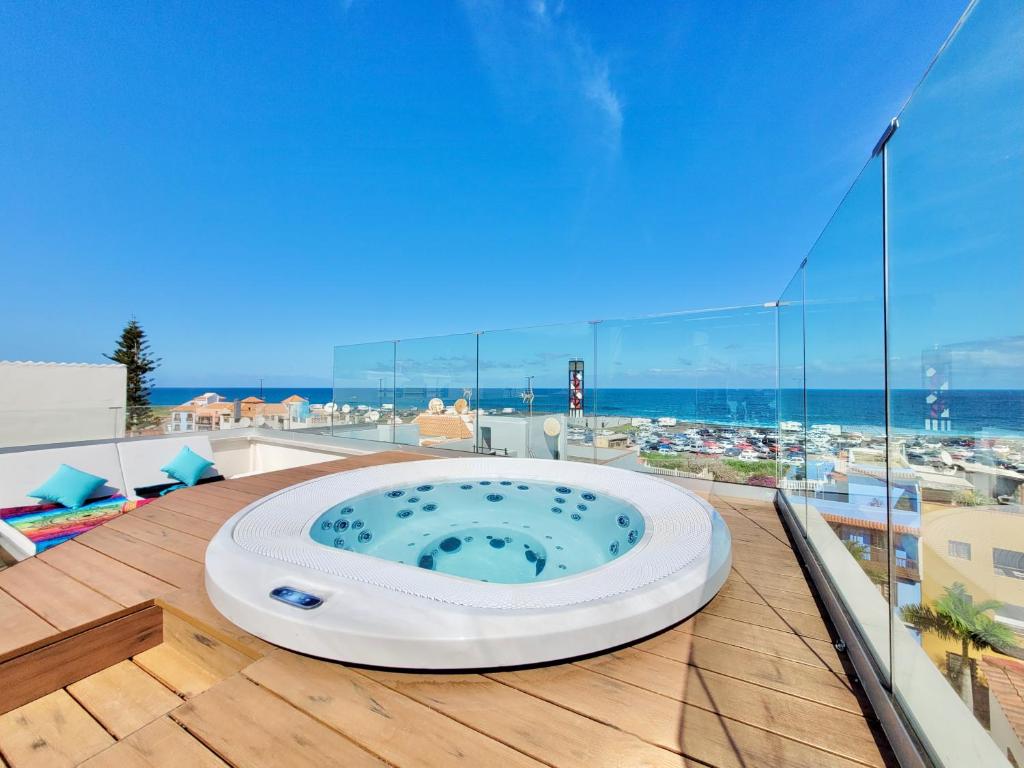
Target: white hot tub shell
(383, 613)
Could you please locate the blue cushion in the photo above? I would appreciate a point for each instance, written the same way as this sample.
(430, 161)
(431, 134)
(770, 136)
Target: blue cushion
(68, 486)
(187, 467)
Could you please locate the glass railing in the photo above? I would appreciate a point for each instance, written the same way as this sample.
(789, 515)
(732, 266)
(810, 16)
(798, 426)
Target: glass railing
(690, 394)
(901, 392)
(791, 466)
(527, 405)
(694, 392)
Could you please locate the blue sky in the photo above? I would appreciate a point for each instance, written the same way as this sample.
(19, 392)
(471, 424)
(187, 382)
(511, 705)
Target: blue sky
(257, 184)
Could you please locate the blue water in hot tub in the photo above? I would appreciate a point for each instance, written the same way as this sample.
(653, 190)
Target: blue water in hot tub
(504, 531)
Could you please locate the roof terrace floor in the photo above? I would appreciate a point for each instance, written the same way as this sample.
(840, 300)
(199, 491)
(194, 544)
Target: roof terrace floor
(751, 680)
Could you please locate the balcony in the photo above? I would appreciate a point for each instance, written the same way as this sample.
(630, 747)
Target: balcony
(750, 680)
(862, 434)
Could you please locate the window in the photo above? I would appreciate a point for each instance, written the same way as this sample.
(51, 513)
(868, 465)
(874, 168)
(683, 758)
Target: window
(961, 549)
(1008, 562)
(859, 545)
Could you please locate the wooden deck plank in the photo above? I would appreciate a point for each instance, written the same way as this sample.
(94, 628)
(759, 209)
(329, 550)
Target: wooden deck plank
(208, 651)
(51, 732)
(766, 576)
(819, 685)
(194, 606)
(64, 602)
(193, 507)
(230, 496)
(161, 744)
(249, 726)
(738, 588)
(708, 736)
(839, 732)
(168, 515)
(752, 559)
(785, 645)
(789, 600)
(123, 698)
(75, 654)
(544, 731)
(177, 670)
(121, 583)
(166, 566)
(184, 544)
(402, 731)
(21, 626)
(767, 616)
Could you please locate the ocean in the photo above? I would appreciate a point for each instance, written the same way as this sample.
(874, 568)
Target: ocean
(972, 411)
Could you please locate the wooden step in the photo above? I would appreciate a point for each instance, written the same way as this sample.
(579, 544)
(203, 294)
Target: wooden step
(191, 659)
(50, 663)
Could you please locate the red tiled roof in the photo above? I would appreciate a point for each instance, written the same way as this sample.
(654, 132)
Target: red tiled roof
(1006, 682)
(870, 524)
(440, 425)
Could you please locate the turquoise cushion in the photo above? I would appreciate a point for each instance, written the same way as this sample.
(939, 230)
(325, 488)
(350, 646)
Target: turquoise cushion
(187, 467)
(68, 486)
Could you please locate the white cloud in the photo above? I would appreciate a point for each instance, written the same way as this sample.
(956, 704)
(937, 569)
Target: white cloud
(542, 63)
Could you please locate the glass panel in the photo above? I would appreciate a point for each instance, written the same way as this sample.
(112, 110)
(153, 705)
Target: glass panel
(525, 376)
(364, 392)
(792, 462)
(846, 468)
(956, 371)
(435, 392)
(694, 393)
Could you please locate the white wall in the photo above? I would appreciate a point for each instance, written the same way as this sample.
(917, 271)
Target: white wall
(60, 402)
(1002, 732)
(234, 456)
(267, 457)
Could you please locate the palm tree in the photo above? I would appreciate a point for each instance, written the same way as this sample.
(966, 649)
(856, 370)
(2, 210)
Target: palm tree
(855, 548)
(862, 554)
(955, 616)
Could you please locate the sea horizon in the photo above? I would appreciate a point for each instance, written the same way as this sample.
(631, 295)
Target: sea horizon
(996, 412)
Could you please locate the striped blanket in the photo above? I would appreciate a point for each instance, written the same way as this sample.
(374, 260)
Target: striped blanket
(47, 525)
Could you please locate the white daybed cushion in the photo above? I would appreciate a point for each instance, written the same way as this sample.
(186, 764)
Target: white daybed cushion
(141, 459)
(25, 469)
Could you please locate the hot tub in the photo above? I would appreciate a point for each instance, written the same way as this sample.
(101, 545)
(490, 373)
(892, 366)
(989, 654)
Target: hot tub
(467, 563)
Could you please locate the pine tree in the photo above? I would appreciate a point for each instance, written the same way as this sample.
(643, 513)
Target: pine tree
(133, 353)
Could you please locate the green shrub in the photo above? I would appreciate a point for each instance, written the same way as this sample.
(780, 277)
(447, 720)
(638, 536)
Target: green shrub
(972, 498)
(749, 468)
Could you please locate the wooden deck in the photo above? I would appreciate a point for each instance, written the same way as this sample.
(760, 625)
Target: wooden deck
(752, 680)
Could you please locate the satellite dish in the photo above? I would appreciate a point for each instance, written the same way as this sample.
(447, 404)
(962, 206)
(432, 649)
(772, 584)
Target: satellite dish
(331, 407)
(261, 420)
(245, 421)
(436, 405)
(461, 406)
(946, 458)
(552, 426)
(373, 415)
(346, 408)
